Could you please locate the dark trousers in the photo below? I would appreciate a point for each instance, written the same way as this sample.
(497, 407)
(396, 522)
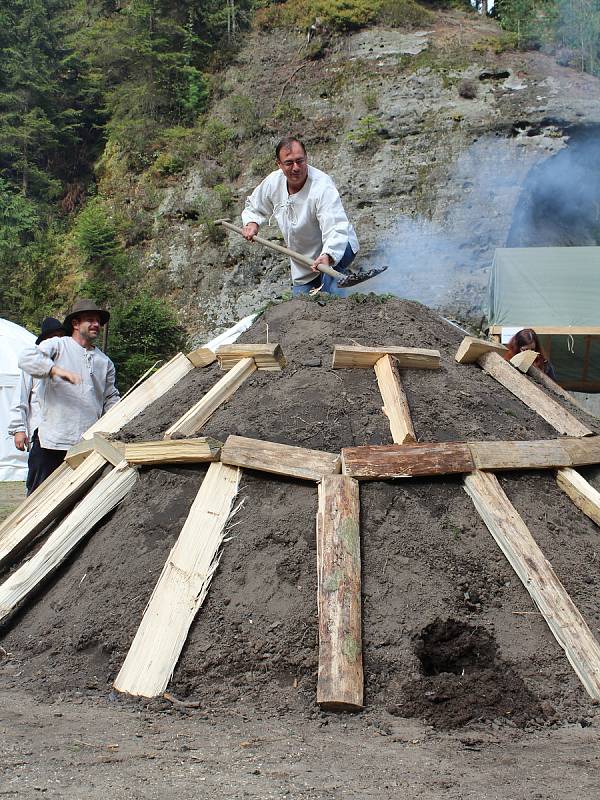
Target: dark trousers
(42, 462)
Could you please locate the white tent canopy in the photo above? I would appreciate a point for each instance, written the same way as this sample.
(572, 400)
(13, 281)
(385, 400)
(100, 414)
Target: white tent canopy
(13, 338)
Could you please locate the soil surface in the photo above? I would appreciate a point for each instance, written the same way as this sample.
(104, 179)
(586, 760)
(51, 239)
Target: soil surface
(463, 678)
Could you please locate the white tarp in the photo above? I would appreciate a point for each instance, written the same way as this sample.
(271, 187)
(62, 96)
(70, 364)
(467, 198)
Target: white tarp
(13, 338)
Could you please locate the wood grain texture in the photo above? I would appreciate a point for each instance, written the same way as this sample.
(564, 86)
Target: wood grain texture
(406, 461)
(101, 499)
(267, 356)
(140, 398)
(471, 348)
(581, 492)
(53, 497)
(201, 357)
(340, 678)
(181, 588)
(543, 454)
(111, 451)
(523, 361)
(279, 459)
(202, 411)
(533, 397)
(516, 542)
(395, 403)
(173, 451)
(345, 356)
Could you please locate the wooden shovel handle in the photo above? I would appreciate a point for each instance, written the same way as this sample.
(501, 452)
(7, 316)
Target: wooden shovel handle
(308, 262)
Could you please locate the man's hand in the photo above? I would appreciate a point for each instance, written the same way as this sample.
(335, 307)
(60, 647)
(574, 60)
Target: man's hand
(21, 440)
(322, 259)
(70, 377)
(249, 231)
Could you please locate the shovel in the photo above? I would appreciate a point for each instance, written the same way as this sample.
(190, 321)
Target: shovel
(343, 281)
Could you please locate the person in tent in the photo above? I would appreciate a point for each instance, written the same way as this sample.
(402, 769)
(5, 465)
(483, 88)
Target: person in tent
(25, 412)
(527, 339)
(77, 384)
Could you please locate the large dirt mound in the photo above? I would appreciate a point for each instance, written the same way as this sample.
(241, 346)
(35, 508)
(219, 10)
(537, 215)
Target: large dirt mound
(434, 581)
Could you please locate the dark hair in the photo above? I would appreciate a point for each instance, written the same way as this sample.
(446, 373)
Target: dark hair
(286, 143)
(526, 337)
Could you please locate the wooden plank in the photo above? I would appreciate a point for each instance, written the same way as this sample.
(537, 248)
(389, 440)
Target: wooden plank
(181, 588)
(471, 348)
(202, 411)
(535, 572)
(523, 361)
(550, 330)
(201, 357)
(583, 451)
(52, 498)
(395, 404)
(363, 357)
(279, 459)
(172, 451)
(406, 461)
(551, 384)
(101, 499)
(533, 397)
(544, 454)
(581, 492)
(111, 451)
(158, 384)
(340, 677)
(267, 356)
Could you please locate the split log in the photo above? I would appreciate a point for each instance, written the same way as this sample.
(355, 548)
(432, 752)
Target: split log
(406, 461)
(551, 384)
(279, 459)
(101, 499)
(518, 545)
(581, 492)
(544, 454)
(407, 357)
(172, 451)
(129, 407)
(395, 404)
(201, 357)
(523, 361)
(267, 356)
(202, 411)
(181, 588)
(533, 397)
(340, 678)
(52, 498)
(111, 451)
(471, 348)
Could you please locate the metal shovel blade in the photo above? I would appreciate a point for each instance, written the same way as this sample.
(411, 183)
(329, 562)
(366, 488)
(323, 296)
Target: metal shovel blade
(354, 278)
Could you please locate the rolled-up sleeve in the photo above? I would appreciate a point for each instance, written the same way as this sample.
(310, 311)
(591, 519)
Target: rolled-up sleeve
(38, 360)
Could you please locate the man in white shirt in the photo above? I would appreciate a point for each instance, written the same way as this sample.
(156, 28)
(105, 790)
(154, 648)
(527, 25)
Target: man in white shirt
(310, 215)
(76, 384)
(25, 413)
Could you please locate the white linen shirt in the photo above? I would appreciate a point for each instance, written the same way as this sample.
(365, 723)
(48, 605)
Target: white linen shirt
(312, 221)
(67, 411)
(25, 410)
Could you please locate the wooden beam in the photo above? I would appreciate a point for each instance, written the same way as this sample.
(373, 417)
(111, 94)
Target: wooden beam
(279, 459)
(544, 454)
(267, 356)
(172, 451)
(140, 398)
(181, 588)
(581, 492)
(101, 499)
(518, 545)
(201, 357)
(471, 348)
(111, 451)
(533, 397)
(340, 678)
(523, 361)
(407, 357)
(395, 404)
(384, 462)
(53, 497)
(551, 384)
(202, 411)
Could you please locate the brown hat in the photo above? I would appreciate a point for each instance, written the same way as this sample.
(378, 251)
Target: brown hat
(82, 306)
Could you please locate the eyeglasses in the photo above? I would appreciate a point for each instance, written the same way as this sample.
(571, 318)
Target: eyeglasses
(291, 161)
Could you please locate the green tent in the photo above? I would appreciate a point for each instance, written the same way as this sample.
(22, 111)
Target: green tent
(555, 291)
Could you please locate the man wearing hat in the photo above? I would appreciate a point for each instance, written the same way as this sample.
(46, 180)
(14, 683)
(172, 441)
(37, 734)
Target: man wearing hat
(25, 412)
(77, 384)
